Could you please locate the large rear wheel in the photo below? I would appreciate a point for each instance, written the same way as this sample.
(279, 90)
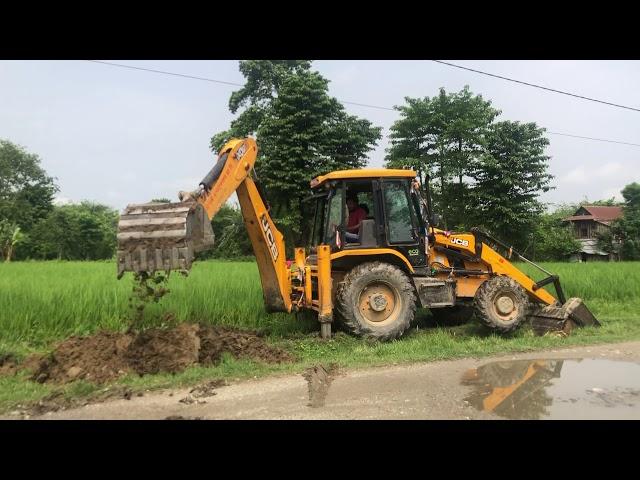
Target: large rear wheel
(501, 304)
(376, 300)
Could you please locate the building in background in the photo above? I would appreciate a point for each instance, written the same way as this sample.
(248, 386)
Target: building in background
(588, 222)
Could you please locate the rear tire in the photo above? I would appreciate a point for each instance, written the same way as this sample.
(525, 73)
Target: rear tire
(452, 316)
(375, 300)
(501, 304)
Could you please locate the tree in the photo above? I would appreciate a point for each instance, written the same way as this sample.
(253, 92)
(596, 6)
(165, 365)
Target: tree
(443, 137)
(231, 238)
(552, 240)
(301, 132)
(26, 191)
(263, 81)
(76, 232)
(10, 236)
(627, 228)
(508, 180)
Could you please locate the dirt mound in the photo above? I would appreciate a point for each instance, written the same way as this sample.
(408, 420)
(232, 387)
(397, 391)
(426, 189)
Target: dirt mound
(8, 363)
(215, 340)
(107, 355)
(96, 358)
(160, 350)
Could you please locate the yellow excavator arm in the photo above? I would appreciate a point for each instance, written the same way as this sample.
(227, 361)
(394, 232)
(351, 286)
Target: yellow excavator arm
(166, 236)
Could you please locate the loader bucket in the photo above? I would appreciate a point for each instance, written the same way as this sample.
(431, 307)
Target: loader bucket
(162, 236)
(574, 313)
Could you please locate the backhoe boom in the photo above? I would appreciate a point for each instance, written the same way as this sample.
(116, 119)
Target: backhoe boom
(166, 236)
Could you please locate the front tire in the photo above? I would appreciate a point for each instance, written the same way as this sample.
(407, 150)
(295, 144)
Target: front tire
(376, 300)
(501, 304)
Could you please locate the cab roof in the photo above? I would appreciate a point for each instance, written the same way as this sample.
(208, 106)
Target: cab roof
(362, 173)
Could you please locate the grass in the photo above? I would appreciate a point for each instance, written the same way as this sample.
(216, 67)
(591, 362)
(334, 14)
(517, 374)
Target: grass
(47, 301)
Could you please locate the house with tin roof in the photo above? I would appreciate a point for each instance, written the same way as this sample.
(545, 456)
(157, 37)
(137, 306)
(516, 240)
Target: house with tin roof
(587, 223)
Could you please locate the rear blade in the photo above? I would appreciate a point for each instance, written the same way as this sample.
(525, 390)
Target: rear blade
(574, 313)
(162, 236)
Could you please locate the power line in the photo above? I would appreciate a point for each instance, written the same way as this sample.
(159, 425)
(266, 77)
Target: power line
(596, 139)
(167, 73)
(370, 106)
(343, 101)
(539, 86)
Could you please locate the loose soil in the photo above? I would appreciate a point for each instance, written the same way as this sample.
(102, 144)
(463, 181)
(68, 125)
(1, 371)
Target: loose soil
(57, 401)
(319, 379)
(106, 356)
(8, 364)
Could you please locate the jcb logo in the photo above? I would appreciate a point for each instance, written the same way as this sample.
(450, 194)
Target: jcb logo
(241, 151)
(459, 241)
(271, 240)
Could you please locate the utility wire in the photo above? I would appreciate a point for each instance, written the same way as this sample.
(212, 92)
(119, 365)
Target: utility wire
(596, 139)
(355, 103)
(167, 73)
(213, 80)
(370, 106)
(539, 86)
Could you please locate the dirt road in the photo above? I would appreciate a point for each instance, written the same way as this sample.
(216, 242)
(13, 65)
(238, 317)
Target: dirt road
(419, 391)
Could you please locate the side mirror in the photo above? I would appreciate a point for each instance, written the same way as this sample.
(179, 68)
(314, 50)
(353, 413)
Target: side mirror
(436, 219)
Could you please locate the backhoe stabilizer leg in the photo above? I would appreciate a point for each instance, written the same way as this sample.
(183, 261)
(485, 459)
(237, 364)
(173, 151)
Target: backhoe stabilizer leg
(325, 326)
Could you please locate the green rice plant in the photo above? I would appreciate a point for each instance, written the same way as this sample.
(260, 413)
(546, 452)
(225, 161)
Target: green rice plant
(45, 301)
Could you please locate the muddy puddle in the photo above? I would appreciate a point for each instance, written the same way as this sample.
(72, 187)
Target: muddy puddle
(585, 389)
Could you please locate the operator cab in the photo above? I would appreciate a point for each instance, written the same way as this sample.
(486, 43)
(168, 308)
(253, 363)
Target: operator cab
(369, 209)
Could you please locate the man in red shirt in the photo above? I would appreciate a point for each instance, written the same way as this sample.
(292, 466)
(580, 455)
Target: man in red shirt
(356, 215)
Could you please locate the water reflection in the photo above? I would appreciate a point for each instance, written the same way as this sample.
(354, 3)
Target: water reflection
(563, 389)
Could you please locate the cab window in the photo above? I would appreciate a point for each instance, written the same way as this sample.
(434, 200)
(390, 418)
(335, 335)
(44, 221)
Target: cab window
(333, 216)
(398, 212)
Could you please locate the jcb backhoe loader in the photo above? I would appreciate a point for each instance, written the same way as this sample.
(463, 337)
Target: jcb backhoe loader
(371, 278)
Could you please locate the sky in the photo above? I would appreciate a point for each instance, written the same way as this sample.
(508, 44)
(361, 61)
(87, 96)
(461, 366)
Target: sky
(118, 136)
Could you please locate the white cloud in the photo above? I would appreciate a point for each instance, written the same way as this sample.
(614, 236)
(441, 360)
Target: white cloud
(346, 76)
(59, 201)
(129, 177)
(613, 192)
(184, 183)
(609, 170)
(576, 176)
(585, 175)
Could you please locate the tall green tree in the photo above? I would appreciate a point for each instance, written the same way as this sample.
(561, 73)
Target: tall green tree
(231, 237)
(443, 137)
(509, 178)
(627, 228)
(26, 191)
(263, 81)
(301, 132)
(10, 236)
(76, 232)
